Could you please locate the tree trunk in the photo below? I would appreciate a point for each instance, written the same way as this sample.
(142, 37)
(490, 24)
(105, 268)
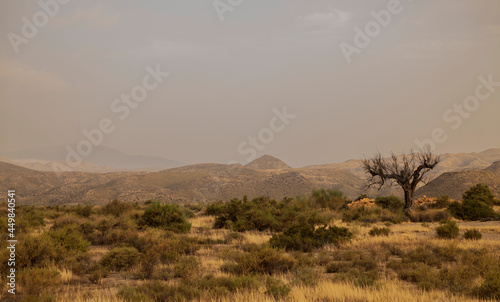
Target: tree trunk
(408, 200)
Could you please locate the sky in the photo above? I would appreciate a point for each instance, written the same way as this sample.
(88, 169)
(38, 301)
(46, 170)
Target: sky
(310, 82)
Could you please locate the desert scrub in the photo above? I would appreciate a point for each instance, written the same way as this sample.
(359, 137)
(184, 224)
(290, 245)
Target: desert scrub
(120, 258)
(305, 237)
(188, 267)
(379, 232)
(276, 288)
(260, 259)
(447, 230)
(472, 234)
(263, 213)
(170, 217)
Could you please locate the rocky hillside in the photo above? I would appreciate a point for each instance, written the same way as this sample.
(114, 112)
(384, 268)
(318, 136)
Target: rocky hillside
(267, 162)
(495, 168)
(456, 183)
(209, 182)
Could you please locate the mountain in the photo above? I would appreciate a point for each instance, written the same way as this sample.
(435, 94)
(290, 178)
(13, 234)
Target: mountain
(455, 184)
(495, 168)
(195, 183)
(210, 182)
(101, 159)
(450, 162)
(267, 162)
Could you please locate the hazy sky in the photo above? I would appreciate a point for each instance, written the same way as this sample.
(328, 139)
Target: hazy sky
(227, 77)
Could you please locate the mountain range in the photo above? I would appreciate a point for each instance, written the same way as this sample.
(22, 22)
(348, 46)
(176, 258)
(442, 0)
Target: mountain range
(266, 175)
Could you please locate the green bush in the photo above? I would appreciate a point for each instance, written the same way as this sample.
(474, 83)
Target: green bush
(480, 192)
(373, 215)
(84, 211)
(379, 231)
(305, 237)
(472, 210)
(327, 199)
(447, 229)
(221, 286)
(392, 203)
(33, 281)
(28, 217)
(36, 251)
(157, 291)
(263, 213)
(120, 258)
(215, 208)
(165, 216)
(116, 208)
(260, 259)
(477, 205)
(187, 267)
(472, 234)
(276, 288)
(69, 238)
(441, 203)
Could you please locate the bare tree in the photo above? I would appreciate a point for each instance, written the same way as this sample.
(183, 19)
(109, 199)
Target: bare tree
(406, 170)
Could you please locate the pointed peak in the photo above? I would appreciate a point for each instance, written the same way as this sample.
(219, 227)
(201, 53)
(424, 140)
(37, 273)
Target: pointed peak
(267, 162)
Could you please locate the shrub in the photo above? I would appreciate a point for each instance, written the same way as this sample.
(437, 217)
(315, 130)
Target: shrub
(477, 204)
(379, 231)
(84, 211)
(120, 258)
(305, 237)
(36, 280)
(97, 273)
(472, 234)
(429, 215)
(159, 291)
(187, 267)
(441, 203)
(479, 192)
(327, 199)
(69, 239)
(215, 208)
(263, 213)
(220, 286)
(392, 203)
(36, 251)
(260, 259)
(372, 215)
(165, 216)
(472, 210)
(28, 217)
(490, 289)
(306, 275)
(276, 288)
(116, 208)
(448, 230)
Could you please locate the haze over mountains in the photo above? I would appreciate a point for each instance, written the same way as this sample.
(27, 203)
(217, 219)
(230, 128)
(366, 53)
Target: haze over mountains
(266, 175)
(101, 159)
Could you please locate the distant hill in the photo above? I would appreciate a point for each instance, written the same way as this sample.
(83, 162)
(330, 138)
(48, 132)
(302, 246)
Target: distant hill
(267, 162)
(450, 162)
(456, 183)
(210, 182)
(195, 183)
(495, 168)
(102, 158)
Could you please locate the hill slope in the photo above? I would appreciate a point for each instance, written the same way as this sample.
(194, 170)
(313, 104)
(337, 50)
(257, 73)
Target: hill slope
(267, 162)
(456, 183)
